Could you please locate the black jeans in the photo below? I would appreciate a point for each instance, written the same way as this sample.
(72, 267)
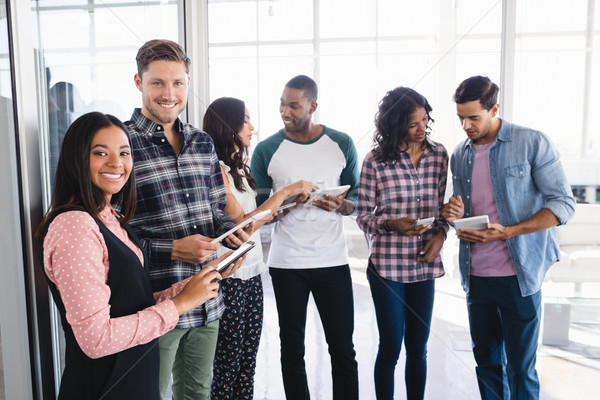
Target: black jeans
(332, 291)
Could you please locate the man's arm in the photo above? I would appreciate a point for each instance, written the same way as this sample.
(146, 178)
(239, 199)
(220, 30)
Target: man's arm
(345, 204)
(217, 196)
(550, 179)
(194, 249)
(350, 176)
(258, 168)
(541, 220)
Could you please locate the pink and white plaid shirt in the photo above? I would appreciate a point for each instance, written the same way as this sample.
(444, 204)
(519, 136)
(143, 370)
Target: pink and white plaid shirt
(395, 190)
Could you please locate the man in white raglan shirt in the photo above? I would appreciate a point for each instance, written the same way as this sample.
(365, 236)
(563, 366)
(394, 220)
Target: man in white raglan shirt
(308, 249)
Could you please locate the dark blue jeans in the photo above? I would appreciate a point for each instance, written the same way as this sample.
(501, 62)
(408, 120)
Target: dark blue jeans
(403, 312)
(332, 291)
(504, 330)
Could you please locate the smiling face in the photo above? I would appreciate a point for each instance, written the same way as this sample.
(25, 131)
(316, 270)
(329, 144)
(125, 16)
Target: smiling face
(296, 110)
(110, 160)
(164, 86)
(245, 134)
(417, 126)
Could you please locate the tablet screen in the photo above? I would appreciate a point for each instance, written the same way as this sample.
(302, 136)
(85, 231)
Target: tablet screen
(240, 251)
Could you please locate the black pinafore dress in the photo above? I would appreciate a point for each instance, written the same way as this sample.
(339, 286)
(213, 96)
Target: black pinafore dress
(129, 374)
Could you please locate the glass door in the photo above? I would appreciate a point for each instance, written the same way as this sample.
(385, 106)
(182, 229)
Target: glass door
(86, 62)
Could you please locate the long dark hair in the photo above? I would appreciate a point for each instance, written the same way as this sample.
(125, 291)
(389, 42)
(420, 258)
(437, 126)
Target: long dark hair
(392, 119)
(73, 187)
(223, 120)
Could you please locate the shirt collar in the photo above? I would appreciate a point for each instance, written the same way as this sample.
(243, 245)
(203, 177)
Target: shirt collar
(505, 133)
(151, 129)
(430, 142)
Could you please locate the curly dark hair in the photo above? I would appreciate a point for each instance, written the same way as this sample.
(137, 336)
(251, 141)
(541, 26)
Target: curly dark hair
(391, 122)
(223, 120)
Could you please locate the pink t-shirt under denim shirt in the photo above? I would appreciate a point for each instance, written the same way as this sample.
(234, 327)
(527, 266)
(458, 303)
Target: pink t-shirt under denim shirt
(490, 259)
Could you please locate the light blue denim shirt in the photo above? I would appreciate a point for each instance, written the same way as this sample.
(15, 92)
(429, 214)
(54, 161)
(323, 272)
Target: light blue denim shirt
(526, 175)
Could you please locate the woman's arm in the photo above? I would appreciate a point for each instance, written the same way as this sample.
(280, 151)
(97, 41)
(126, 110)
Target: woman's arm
(76, 261)
(235, 211)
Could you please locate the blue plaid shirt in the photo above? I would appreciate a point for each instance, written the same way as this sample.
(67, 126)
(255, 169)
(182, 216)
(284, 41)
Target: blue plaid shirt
(177, 196)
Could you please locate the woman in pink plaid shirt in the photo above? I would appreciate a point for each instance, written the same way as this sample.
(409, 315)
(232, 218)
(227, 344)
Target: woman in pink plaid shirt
(403, 179)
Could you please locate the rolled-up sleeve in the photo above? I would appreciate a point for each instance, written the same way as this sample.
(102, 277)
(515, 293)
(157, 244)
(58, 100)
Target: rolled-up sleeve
(550, 178)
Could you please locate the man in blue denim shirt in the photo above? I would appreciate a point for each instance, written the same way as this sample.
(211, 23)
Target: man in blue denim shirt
(512, 174)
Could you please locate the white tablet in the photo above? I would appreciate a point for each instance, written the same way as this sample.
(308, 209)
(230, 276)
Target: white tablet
(425, 221)
(284, 206)
(478, 223)
(240, 251)
(241, 225)
(335, 191)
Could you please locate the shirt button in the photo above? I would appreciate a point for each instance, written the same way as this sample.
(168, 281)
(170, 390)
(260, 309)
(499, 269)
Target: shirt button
(187, 195)
(468, 197)
(162, 140)
(194, 226)
(158, 128)
(418, 199)
(468, 180)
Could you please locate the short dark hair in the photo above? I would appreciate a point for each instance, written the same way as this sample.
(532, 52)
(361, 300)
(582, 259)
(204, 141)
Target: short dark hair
(308, 85)
(73, 186)
(223, 120)
(392, 119)
(477, 88)
(160, 49)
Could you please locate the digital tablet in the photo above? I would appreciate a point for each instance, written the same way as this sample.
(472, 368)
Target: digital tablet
(240, 251)
(478, 223)
(284, 206)
(425, 221)
(241, 225)
(335, 191)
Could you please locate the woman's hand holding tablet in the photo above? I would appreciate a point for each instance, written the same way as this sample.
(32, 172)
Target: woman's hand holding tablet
(242, 225)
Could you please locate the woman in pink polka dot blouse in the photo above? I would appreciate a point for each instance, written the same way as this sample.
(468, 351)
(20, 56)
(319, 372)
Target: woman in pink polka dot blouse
(98, 275)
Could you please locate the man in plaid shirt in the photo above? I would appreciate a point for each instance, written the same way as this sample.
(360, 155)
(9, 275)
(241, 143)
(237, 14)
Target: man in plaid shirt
(180, 206)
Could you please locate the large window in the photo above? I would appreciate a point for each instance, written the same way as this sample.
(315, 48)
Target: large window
(557, 83)
(552, 82)
(376, 46)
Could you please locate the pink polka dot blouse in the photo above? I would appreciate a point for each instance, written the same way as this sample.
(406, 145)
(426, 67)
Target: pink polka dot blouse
(76, 261)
